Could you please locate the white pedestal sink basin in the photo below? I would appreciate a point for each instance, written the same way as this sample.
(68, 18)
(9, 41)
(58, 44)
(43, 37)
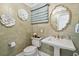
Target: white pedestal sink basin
(57, 44)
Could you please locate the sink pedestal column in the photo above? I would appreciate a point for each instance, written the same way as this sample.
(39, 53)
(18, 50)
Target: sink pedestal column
(56, 51)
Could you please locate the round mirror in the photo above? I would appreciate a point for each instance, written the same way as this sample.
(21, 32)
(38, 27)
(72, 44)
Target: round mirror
(60, 17)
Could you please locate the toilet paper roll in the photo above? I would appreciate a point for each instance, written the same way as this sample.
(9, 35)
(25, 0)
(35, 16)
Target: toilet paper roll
(12, 44)
(75, 54)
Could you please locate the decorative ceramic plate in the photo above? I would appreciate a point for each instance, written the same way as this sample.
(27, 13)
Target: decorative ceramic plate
(7, 20)
(23, 14)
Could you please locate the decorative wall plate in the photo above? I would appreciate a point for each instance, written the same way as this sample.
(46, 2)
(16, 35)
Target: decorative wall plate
(7, 20)
(60, 17)
(23, 14)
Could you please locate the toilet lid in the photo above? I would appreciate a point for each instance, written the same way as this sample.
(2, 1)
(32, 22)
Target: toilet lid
(30, 49)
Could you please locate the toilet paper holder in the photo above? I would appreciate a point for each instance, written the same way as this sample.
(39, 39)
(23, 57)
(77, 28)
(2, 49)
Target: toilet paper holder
(12, 44)
(75, 54)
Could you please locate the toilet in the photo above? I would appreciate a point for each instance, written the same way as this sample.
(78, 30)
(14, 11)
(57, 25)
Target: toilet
(33, 49)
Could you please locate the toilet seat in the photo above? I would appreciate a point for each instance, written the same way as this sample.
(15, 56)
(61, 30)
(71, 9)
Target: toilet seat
(30, 49)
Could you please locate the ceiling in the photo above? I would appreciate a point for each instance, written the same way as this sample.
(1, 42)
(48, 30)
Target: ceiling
(35, 5)
(31, 4)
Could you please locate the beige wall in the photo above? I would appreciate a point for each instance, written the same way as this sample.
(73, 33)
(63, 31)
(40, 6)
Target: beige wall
(69, 31)
(20, 33)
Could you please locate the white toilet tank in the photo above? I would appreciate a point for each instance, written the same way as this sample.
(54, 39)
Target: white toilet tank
(36, 42)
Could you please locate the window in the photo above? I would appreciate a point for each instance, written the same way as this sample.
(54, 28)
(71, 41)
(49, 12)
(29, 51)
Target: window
(40, 14)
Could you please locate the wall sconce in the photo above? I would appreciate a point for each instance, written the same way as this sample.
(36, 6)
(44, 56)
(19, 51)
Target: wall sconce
(77, 27)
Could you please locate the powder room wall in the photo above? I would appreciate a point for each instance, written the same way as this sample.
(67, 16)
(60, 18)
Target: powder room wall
(20, 32)
(69, 31)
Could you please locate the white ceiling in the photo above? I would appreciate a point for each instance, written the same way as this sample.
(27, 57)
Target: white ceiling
(31, 4)
(35, 5)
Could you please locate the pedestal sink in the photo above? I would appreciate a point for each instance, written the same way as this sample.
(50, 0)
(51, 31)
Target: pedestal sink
(59, 43)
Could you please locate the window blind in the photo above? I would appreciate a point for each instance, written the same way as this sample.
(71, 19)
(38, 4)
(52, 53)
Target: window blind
(40, 14)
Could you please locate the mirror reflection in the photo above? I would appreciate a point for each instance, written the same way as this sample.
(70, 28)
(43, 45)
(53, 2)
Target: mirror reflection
(60, 17)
